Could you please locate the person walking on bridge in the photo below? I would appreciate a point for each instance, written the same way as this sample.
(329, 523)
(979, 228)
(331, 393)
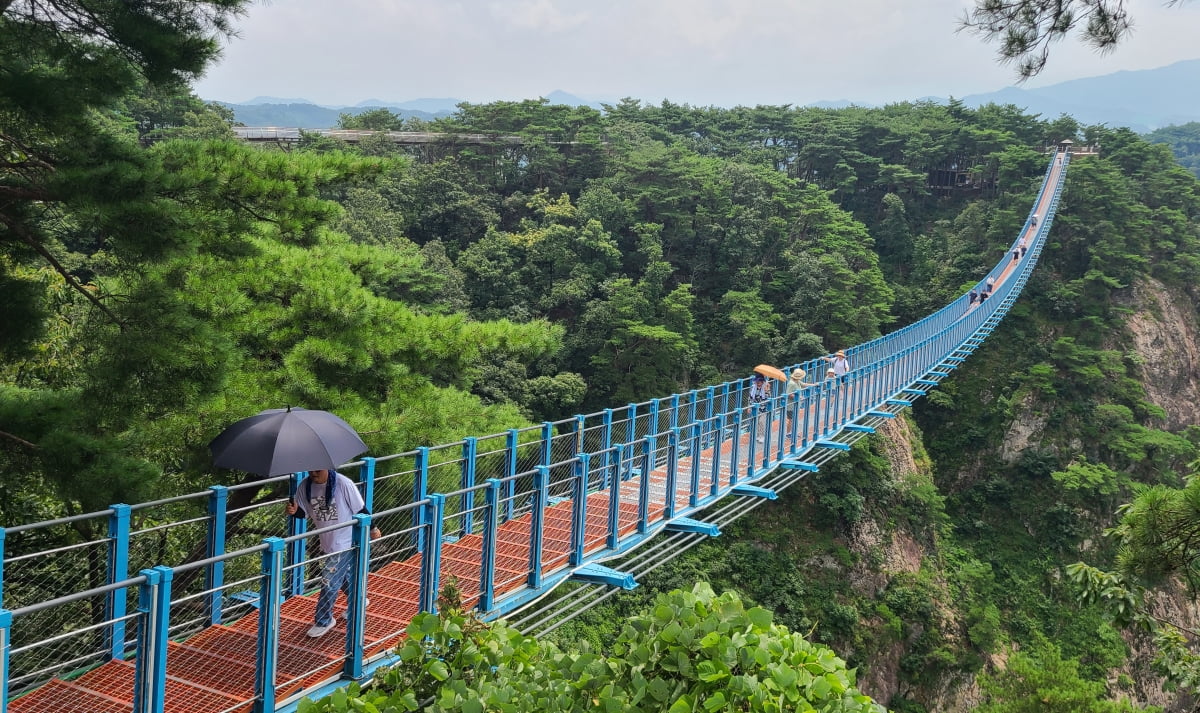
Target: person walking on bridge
(760, 395)
(840, 365)
(329, 498)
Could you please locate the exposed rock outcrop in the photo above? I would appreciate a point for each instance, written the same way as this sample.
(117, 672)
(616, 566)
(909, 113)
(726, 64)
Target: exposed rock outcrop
(1166, 340)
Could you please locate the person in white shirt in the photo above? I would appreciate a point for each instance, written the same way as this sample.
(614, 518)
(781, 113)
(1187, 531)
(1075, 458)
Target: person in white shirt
(840, 365)
(329, 498)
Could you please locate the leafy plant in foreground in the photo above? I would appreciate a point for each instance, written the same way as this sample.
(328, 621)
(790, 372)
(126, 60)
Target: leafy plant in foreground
(694, 651)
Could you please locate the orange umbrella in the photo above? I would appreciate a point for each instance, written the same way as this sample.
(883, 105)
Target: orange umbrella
(770, 372)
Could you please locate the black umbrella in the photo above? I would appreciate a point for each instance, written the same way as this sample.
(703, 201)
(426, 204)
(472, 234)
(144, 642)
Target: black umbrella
(279, 441)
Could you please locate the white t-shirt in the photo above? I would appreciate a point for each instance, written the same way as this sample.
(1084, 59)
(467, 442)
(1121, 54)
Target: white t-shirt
(346, 503)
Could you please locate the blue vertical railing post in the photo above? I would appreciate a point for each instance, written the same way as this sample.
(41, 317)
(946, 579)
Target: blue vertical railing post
(652, 428)
(674, 420)
(735, 448)
(162, 626)
(214, 573)
(431, 559)
(579, 509)
(781, 428)
(420, 492)
(267, 651)
(631, 430)
(118, 570)
(5, 634)
(470, 454)
(694, 483)
(547, 443)
(579, 431)
(356, 615)
(674, 439)
(715, 484)
(367, 477)
(487, 554)
(648, 452)
(5, 644)
(510, 471)
(605, 441)
(793, 406)
(615, 457)
(537, 525)
(296, 546)
(149, 681)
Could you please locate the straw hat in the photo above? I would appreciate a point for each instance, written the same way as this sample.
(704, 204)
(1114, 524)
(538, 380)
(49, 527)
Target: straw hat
(841, 353)
(798, 375)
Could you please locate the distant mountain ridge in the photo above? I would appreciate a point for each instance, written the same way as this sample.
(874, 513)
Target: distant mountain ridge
(1142, 100)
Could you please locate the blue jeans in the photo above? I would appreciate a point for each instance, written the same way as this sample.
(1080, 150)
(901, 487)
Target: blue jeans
(335, 575)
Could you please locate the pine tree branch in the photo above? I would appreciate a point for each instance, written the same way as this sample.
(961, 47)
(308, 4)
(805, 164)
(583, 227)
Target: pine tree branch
(1172, 624)
(24, 194)
(32, 242)
(18, 439)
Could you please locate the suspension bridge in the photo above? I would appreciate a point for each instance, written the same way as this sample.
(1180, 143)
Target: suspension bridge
(201, 602)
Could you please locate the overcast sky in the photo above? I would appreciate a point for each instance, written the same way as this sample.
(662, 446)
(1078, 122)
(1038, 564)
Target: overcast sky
(722, 52)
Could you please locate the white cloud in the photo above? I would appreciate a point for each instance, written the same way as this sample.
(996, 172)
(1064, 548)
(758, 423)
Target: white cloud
(544, 15)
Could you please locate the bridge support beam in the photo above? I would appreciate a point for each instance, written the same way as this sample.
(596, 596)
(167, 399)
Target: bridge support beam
(881, 414)
(799, 465)
(755, 491)
(687, 524)
(859, 427)
(599, 574)
(835, 445)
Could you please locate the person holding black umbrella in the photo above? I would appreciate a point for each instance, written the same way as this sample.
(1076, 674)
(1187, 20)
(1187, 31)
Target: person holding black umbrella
(329, 498)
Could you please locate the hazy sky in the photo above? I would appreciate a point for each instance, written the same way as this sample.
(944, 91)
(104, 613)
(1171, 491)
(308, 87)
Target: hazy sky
(721, 52)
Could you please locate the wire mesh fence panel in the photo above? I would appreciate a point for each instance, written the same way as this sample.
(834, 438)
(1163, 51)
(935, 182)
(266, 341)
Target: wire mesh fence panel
(557, 520)
(400, 540)
(461, 522)
(529, 452)
(513, 536)
(490, 457)
(47, 561)
(304, 660)
(65, 640)
(46, 575)
(658, 478)
(565, 442)
(171, 544)
(208, 658)
(446, 467)
(623, 425)
(393, 594)
(592, 439)
(395, 481)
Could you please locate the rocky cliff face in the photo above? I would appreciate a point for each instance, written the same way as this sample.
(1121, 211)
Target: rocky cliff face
(883, 555)
(1165, 338)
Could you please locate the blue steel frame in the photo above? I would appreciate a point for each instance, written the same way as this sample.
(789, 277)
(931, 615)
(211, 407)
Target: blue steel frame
(891, 370)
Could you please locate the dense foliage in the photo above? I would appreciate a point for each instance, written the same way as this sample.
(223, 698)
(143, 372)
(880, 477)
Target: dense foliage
(1184, 141)
(694, 651)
